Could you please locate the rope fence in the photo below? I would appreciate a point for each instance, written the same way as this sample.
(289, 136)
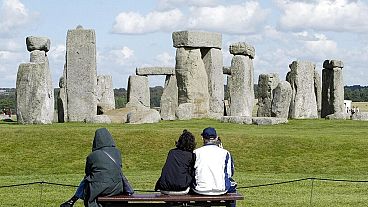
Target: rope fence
(312, 179)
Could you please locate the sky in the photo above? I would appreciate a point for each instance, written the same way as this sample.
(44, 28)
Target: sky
(137, 33)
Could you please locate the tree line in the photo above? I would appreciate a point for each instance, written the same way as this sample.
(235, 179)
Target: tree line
(356, 93)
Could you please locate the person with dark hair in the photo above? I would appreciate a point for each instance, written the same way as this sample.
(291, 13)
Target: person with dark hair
(214, 166)
(103, 175)
(177, 173)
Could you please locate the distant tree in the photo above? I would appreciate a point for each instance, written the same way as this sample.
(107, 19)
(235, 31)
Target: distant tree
(155, 96)
(356, 93)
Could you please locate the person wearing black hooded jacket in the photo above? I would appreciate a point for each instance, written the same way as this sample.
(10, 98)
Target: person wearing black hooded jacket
(103, 175)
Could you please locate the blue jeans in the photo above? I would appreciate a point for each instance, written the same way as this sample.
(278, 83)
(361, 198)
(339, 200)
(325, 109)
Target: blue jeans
(80, 190)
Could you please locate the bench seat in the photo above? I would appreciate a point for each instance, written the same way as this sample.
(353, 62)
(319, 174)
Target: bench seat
(158, 199)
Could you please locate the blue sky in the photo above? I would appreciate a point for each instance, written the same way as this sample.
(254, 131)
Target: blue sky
(132, 33)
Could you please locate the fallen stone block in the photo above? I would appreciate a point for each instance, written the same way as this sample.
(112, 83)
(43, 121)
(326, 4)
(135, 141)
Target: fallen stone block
(237, 119)
(268, 120)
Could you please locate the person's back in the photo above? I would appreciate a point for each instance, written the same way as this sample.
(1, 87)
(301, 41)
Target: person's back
(213, 166)
(177, 173)
(103, 174)
(103, 168)
(213, 169)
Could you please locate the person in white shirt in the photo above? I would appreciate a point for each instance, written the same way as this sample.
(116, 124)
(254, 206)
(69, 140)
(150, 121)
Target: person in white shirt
(213, 167)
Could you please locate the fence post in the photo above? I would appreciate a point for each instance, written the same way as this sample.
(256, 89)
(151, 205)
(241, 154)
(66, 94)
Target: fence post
(40, 203)
(311, 194)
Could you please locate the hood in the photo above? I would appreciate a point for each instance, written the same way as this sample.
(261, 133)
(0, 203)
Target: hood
(102, 138)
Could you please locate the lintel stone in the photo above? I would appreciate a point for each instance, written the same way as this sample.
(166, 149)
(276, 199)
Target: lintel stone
(197, 39)
(155, 71)
(242, 48)
(330, 64)
(38, 43)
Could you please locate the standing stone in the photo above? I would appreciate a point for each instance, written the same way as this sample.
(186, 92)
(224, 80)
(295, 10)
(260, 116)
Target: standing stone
(213, 63)
(62, 101)
(332, 88)
(192, 81)
(266, 84)
(81, 74)
(281, 100)
(105, 93)
(242, 84)
(38, 56)
(227, 96)
(35, 99)
(318, 91)
(35, 93)
(169, 98)
(138, 91)
(303, 100)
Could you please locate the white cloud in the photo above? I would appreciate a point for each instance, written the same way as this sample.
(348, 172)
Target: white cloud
(57, 54)
(165, 59)
(322, 47)
(327, 15)
(171, 4)
(235, 19)
(13, 15)
(121, 56)
(135, 23)
(245, 18)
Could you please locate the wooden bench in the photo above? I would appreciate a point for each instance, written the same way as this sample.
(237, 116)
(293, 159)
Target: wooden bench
(158, 200)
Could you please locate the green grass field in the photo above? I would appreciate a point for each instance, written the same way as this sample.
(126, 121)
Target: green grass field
(56, 153)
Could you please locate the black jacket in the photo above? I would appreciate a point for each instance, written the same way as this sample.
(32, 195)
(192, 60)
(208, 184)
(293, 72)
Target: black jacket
(103, 175)
(177, 173)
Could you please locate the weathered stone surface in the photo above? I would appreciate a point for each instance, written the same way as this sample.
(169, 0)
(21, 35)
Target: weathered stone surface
(331, 64)
(81, 74)
(332, 90)
(169, 98)
(38, 43)
(192, 80)
(155, 71)
(38, 56)
(303, 101)
(266, 84)
(361, 116)
(197, 39)
(185, 111)
(318, 91)
(339, 115)
(242, 48)
(213, 63)
(143, 116)
(281, 100)
(35, 94)
(241, 86)
(237, 119)
(105, 93)
(268, 120)
(138, 90)
(98, 119)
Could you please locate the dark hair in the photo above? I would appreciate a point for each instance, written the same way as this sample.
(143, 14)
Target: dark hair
(186, 141)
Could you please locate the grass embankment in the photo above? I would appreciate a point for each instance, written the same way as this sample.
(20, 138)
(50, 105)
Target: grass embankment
(263, 154)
